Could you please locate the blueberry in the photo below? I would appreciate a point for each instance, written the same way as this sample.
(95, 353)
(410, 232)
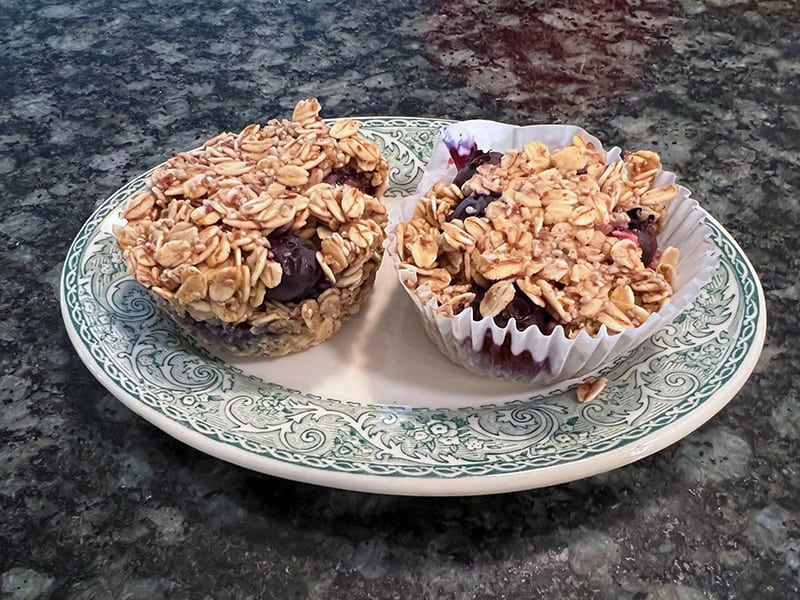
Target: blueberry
(475, 160)
(473, 205)
(301, 271)
(460, 149)
(524, 312)
(360, 181)
(645, 231)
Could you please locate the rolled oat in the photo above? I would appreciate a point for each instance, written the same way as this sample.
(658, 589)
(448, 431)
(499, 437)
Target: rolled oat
(591, 388)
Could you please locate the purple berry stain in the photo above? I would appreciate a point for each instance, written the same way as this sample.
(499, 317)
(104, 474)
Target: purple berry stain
(467, 157)
(460, 149)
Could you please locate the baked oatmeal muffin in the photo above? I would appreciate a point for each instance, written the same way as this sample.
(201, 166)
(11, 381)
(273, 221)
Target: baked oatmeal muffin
(541, 262)
(262, 242)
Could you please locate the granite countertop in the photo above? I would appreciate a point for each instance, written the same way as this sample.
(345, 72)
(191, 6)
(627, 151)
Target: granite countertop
(98, 503)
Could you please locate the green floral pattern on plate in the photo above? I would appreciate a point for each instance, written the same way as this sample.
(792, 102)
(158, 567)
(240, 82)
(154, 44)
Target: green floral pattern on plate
(682, 375)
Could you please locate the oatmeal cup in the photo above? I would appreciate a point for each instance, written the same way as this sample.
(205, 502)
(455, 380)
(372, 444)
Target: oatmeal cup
(262, 242)
(532, 254)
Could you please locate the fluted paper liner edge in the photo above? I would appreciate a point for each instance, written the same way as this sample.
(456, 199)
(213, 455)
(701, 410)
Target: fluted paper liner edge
(560, 358)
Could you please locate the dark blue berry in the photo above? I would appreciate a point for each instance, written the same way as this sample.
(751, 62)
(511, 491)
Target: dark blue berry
(475, 160)
(360, 181)
(524, 312)
(473, 205)
(645, 231)
(301, 271)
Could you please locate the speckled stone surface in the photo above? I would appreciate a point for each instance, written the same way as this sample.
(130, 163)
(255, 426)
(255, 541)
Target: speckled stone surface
(97, 503)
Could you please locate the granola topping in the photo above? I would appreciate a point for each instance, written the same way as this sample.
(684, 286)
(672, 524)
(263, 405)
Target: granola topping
(560, 234)
(277, 228)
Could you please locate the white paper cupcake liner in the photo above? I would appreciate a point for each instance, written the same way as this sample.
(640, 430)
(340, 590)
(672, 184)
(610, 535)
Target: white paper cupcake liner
(531, 355)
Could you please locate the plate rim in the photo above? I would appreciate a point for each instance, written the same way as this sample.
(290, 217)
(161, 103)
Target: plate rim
(458, 485)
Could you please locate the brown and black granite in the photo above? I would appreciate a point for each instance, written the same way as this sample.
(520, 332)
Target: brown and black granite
(97, 503)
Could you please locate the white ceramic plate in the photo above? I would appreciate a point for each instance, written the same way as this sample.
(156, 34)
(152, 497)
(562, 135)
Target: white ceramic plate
(377, 408)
